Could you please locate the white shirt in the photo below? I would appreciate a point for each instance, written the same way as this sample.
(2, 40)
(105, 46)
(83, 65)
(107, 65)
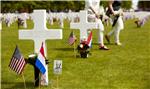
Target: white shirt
(92, 3)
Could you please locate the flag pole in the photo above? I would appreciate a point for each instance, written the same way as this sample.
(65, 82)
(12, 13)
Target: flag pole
(57, 83)
(74, 45)
(23, 80)
(39, 80)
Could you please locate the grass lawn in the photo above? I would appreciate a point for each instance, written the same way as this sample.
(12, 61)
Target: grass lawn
(122, 67)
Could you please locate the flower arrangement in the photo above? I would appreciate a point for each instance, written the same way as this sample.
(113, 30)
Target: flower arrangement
(83, 49)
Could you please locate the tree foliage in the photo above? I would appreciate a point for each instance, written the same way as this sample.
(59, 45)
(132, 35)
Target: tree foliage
(144, 5)
(29, 6)
(127, 4)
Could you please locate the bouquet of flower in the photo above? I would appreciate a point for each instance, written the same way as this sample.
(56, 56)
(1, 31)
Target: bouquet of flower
(83, 49)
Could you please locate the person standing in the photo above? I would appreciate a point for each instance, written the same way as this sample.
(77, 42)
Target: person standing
(93, 8)
(115, 13)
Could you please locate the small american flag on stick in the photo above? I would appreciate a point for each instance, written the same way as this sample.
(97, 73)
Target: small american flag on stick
(17, 62)
(72, 38)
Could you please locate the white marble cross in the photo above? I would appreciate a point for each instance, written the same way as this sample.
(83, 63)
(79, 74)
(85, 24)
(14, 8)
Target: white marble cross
(39, 34)
(8, 19)
(24, 18)
(83, 24)
(61, 18)
(50, 18)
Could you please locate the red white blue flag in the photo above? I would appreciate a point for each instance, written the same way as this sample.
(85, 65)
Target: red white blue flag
(89, 40)
(40, 61)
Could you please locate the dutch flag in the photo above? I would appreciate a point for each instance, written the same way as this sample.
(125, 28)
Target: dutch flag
(89, 40)
(40, 61)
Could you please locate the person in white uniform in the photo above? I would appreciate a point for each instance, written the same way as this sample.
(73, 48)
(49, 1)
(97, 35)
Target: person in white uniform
(115, 13)
(93, 8)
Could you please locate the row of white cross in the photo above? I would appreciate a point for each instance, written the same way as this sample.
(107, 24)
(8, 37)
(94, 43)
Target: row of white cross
(9, 18)
(40, 33)
(138, 15)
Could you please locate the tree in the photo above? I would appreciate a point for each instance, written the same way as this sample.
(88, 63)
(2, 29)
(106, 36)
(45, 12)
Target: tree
(29, 6)
(126, 4)
(144, 5)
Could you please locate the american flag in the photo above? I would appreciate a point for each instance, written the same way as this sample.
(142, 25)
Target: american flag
(72, 38)
(17, 63)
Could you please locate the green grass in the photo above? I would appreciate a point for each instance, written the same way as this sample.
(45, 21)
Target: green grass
(122, 67)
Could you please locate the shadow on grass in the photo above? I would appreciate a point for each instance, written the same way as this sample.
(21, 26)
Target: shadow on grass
(17, 85)
(109, 43)
(68, 56)
(66, 52)
(104, 43)
(64, 49)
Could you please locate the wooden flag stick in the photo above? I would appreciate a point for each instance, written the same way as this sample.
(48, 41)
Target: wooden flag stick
(74, 45)
(39, 80)
(57, 83)
(23, 81)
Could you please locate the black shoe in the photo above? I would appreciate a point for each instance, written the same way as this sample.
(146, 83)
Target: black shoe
(103, 48)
